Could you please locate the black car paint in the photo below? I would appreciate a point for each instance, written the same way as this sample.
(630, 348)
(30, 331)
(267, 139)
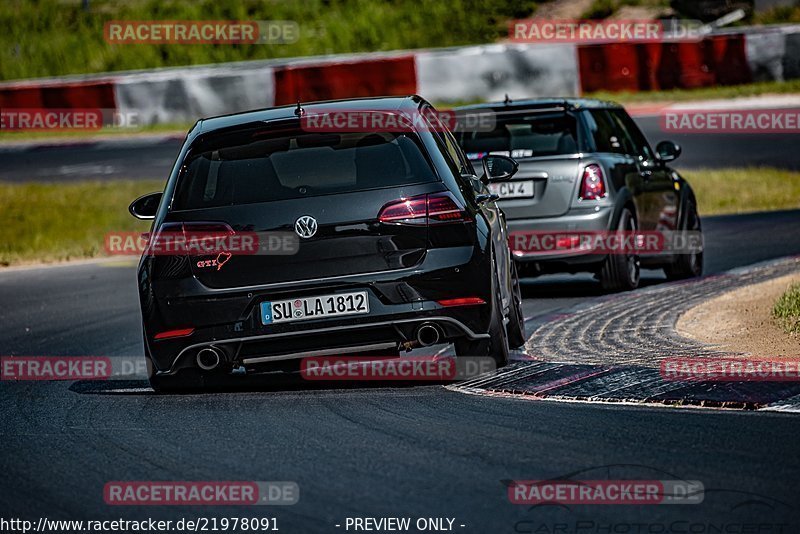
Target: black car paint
(222, 306)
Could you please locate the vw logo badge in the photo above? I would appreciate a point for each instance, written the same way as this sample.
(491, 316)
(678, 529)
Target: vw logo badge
(305, 226)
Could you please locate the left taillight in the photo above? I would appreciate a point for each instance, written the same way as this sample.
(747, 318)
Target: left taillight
(174, 239)
(438, 208)
(169, 334)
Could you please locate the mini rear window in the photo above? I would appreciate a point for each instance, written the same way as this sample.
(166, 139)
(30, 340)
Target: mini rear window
(534, 135)
(263, 166)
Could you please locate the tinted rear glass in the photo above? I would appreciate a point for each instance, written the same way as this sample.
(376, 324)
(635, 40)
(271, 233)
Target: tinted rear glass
(534, 135)
(258, 166)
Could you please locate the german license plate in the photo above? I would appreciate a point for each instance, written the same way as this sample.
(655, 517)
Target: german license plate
(283, 311)
(518, 189)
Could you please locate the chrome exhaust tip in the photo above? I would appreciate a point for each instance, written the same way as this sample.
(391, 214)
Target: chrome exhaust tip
(208, 359)
(427, 335)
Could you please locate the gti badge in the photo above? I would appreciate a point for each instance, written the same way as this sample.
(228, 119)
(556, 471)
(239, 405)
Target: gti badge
(222, 259)
(305, 226)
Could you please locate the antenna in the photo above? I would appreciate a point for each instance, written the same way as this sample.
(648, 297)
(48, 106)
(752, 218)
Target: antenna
(299, 111)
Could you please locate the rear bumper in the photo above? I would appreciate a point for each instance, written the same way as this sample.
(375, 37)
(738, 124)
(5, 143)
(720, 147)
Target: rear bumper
(399, 301)
(577, 220)
(258, 349)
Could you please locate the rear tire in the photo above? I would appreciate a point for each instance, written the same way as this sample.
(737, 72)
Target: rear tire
(687, 265)
(496, 347)
(621, 272)
(516, 319)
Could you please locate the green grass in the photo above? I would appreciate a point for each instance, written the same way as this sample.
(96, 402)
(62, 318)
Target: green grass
(726, 191)
(601, 9)
(55, 37)
(59, 37)
(705, 93)
(11, 135)
(786, 311)
(781, 14)
(47, 222)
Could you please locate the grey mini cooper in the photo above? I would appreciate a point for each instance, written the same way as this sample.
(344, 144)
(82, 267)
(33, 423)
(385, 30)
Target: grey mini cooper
(586, 169)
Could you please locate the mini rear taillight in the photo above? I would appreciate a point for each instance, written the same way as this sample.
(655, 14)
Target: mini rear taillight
(593, 184)
(437, 208)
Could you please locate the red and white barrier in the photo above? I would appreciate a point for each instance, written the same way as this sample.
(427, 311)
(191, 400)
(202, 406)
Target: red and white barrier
(490, 72)
(170, 97)
(451, 75)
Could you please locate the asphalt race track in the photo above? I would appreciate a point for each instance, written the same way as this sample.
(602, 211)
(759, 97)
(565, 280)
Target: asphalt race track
(123, 158)
(375, 451)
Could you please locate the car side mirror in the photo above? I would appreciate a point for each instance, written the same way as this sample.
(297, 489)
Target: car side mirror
(668, 151)
(498, 168)
(146, 206)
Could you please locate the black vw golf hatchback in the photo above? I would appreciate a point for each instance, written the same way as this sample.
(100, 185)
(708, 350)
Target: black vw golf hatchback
(279, 237)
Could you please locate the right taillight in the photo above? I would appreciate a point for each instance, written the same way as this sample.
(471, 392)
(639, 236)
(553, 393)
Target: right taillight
(444, 208)
(424, 209)
(593, 184)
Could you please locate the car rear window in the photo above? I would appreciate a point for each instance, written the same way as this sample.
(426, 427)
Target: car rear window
(524, 136)
(259, 166)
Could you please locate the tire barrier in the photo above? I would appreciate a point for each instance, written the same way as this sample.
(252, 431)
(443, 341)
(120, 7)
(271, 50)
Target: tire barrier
(62, 95)
(718, 60)
(350, 79)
